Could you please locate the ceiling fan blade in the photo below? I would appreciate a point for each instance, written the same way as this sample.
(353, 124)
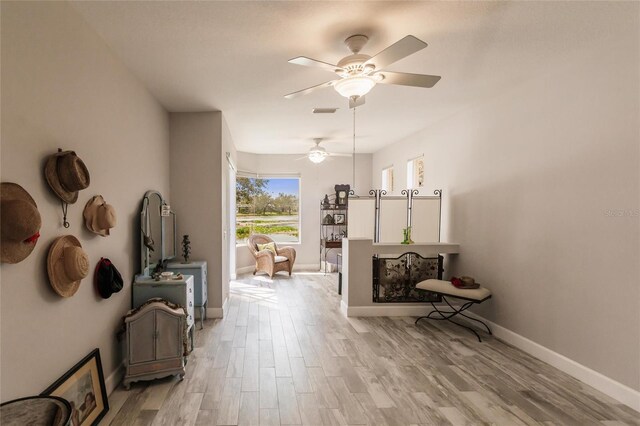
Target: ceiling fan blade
(356, 102)
(406, 79)
(309, 89)
(395, 52)
(308, 62)
(334, 154)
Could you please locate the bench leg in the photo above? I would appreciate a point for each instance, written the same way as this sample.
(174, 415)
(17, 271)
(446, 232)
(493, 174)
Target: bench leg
(447, 315)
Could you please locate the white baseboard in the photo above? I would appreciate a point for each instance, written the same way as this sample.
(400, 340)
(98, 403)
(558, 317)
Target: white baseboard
(218, 312)
(301, 267)
(306, 267)
(599, 381)
(244, 270)
(114, 379)
(384, 311)
(344, 308)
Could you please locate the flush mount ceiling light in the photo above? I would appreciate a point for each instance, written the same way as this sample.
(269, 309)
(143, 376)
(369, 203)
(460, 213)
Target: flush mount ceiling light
(359, 73)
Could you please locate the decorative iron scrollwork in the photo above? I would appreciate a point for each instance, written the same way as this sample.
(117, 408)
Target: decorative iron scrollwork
(395, 279)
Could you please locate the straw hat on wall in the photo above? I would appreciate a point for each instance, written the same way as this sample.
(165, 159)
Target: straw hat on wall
(99, 216)
(20, 223)
(67, 265)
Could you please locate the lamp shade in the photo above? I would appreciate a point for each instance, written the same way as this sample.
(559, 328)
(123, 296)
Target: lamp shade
(358, 85)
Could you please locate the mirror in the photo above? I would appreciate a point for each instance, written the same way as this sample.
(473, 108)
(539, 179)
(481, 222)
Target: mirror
(158, 230)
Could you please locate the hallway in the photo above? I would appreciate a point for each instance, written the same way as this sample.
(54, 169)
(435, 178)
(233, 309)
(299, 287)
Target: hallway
(284, 354)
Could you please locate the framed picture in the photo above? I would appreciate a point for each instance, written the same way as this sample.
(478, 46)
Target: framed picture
(420, 171)
(338, 218)
(83, 386)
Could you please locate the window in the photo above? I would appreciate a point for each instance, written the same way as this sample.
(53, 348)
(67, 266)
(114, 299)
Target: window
(268, 206)
(415, 173)
(387, 179)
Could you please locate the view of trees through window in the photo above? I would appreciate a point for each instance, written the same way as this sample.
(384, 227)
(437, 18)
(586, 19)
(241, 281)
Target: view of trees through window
(268, 206)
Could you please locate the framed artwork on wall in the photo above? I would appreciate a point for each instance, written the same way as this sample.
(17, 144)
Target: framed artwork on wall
(415, 172)
(83, 386)
(420, 172)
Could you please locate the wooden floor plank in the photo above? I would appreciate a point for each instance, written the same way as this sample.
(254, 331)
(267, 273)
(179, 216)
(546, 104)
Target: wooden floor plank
(285, 354)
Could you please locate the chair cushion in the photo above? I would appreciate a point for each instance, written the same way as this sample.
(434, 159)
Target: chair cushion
(280, 259)
(268, 246)
(477, 295)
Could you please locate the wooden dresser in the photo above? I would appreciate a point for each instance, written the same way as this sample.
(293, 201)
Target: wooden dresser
(155, 343)
(180, 292)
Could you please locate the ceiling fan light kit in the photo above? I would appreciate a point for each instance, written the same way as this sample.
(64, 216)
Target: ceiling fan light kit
(359, 73)
(317, 157)
(358, 85)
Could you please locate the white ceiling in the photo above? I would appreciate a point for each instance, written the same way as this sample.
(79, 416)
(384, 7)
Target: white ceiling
(232, 57)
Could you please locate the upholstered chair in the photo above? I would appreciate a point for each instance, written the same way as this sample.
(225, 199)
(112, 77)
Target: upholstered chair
(268, 262)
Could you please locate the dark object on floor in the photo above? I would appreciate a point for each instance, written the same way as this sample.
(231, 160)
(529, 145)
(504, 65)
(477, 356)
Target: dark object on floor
(445, 289)
(36, 411)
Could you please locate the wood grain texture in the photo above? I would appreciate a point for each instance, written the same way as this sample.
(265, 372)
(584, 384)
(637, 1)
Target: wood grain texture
(284, 354)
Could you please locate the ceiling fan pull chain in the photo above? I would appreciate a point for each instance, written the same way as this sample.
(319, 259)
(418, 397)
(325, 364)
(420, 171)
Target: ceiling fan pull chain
(354, 149)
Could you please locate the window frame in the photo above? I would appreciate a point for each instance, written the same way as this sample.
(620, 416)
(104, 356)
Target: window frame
(387, 177)
(270, 176)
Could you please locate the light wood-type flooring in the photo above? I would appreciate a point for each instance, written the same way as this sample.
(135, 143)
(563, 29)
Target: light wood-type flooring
(284, 354)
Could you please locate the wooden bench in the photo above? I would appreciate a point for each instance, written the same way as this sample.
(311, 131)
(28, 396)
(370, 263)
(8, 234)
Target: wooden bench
(446, 289)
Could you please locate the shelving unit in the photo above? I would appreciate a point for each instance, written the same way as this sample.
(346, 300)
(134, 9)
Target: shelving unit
(331, 233)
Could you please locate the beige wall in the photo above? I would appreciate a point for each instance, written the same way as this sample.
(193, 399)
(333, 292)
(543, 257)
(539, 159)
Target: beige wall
(315, 181)
(62, 87)
(200, 183)
(197, 185)
(531, 179)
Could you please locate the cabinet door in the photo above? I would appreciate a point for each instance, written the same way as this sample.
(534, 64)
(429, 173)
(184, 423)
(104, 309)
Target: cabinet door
(142, 339)
(169, 336)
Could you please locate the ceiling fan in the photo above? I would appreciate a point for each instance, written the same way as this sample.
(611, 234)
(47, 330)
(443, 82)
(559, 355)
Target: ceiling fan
(359, 73)
(317, 154)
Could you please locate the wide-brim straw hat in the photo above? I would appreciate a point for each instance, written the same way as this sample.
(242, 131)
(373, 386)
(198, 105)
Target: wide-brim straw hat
(99, 216)
(21, 223)
(67, 265)
(66, 174)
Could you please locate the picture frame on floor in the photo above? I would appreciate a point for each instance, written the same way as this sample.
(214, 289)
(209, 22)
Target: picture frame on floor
(83, 386)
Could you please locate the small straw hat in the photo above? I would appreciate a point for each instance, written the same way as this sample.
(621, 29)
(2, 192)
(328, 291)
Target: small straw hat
(20, 223)
(67, 265)
(99, 216)
(66, 174)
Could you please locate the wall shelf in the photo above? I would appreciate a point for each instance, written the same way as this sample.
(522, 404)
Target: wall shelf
(331, 234)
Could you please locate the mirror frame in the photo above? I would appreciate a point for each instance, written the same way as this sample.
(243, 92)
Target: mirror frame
(145, 266)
